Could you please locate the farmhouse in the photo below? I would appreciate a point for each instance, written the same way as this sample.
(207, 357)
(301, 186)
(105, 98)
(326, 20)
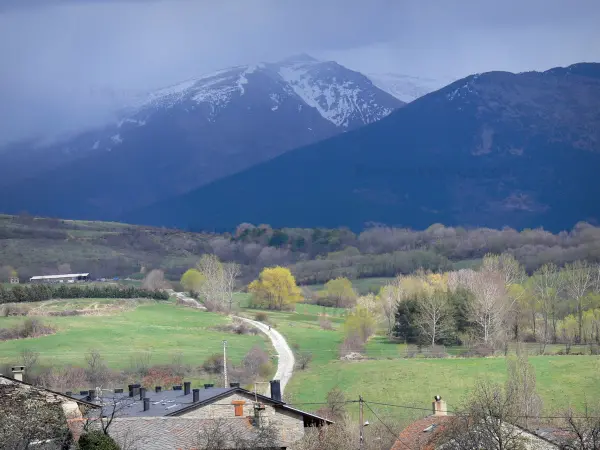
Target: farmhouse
(66, 278)
(30, 415)
(183, 417)
(426, 433)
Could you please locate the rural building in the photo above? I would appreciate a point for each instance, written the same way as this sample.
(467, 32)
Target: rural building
(66, 278)
(30, 415)
(425, 434)
(14, 280)
(179, 417)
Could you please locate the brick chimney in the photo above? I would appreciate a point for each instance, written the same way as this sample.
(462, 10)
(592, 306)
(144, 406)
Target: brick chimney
(18, 372)
(439, 406)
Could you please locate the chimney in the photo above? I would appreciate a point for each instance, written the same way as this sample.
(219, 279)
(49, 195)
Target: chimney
(196, 393)
(439, 406)
(276, 390)
(18, 372)
(92, 394)
(208, 386)
(157, 388)
(118, 390)
(68, 393)
(142, 393)
(234, 385)
(130, 388)
(187, 386)
(177, 387)
(83, 392)
(146, 404)
(135, 390)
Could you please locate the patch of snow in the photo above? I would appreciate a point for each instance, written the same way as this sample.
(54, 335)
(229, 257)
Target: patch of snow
(406, 87)
(138, 122)
(338, 100)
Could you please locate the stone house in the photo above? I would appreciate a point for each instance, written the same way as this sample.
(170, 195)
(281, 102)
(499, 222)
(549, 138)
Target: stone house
(182, 417)
(30, 414)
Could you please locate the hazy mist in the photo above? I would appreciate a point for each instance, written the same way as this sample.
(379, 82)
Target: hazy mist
(71, 64)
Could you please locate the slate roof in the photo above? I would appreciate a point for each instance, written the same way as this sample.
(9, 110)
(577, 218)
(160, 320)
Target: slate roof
(162, 403)
(170, 403)
(170, 433)
(421, 434)
(11, 381)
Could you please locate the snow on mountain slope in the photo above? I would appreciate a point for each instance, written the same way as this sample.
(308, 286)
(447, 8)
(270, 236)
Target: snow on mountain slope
(405, 87)
(340, 95)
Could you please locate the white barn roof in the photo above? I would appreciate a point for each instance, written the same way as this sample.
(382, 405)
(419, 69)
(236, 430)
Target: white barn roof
(59, 277)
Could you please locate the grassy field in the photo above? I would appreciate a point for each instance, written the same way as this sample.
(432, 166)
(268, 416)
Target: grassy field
(561, 380)
(389, 377)
(119, 331)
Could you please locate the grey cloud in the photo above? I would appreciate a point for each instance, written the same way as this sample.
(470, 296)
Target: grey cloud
(71, 63)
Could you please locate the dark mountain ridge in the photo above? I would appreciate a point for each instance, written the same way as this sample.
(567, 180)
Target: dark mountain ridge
(492, 149)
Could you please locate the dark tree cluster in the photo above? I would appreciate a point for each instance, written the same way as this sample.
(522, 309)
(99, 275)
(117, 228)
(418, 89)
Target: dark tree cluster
(41, 292)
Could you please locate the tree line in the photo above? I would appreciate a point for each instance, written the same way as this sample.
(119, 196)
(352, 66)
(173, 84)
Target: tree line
(496, 304)
(41, 292)
(314, 255)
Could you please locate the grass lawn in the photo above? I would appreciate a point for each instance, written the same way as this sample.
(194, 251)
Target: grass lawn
(561, 380)
(391, 378)
(160, 327)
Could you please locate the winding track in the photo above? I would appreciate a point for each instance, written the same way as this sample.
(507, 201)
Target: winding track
(285, 365)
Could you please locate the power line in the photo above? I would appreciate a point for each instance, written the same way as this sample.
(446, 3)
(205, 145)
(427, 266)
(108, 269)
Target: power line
(396, 435)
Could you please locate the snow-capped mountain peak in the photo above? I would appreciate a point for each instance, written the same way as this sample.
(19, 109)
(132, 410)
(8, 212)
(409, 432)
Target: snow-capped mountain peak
(340, 95)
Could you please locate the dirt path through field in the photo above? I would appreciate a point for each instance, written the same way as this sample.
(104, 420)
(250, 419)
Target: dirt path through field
(285, 365)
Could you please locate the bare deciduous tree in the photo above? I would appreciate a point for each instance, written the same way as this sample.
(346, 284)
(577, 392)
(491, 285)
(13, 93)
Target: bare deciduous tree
(579, 279)
(547, 287)
(521, 388)
(490, 305)
(435, 315)
(486, 422)
(96, 371)
(582, 430)
(217, 290)
(391, 296)
(155, 280)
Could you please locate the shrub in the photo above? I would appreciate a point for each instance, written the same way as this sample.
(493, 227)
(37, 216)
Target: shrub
(261, 317)
(237, 327)
(161, 376)
(480, 350)
(325, 323)
(353, 343)
(97, 440)
(29, 329)
(303, 359)
(214, 364)
(13, 310)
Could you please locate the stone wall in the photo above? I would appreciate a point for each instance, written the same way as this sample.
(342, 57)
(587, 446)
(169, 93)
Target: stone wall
(289, 424)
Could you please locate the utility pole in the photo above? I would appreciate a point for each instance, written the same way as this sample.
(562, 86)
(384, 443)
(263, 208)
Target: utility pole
(225, 363)
(362, 422)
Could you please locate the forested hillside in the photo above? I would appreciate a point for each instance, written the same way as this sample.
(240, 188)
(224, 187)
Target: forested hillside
(34, 246)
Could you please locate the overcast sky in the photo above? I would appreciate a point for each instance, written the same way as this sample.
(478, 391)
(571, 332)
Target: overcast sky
(69, 63)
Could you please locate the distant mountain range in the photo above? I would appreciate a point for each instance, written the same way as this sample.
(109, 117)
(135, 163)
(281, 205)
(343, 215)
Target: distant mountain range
(185, 136)
(493, 149)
